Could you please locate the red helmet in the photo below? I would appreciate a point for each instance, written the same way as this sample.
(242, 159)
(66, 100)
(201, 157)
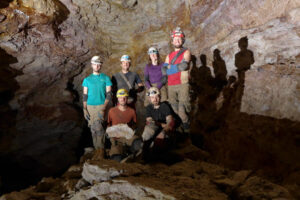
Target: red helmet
(178, 33)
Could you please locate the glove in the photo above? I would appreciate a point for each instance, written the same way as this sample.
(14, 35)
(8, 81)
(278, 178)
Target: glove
(86, 114)
(173, 69)
(183, 66)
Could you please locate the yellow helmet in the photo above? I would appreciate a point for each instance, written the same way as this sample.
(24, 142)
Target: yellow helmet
(122, 93)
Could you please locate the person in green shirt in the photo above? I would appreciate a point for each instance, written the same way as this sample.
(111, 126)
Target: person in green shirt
(96, 96)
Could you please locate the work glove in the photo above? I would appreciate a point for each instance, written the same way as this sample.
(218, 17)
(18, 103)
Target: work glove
(86, 114)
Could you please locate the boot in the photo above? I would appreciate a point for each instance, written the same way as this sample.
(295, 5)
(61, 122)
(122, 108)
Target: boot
(99, 154)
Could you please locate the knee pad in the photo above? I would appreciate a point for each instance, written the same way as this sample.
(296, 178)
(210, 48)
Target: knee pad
(116, 157)
(136, 145)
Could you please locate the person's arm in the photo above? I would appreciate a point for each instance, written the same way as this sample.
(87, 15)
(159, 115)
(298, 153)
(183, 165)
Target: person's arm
(85, 97)
(114, 84)
(133, 123)
(139, 83)
(109, 119)
(164, 69)
(147, 77)
(169, 123)
(184, 65)
(167, 60)
(108, 96)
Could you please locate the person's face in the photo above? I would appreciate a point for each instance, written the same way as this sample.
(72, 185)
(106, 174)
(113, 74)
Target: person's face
(96, 67)
(153, 57)
(177, 42)
(122, 100)
(155, 100)
(125, 65)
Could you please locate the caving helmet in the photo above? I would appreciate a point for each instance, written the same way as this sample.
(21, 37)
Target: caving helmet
(122, 93)
(178, 33)
(153, 91)
(126, 58)
(152, 50)
(96, 60)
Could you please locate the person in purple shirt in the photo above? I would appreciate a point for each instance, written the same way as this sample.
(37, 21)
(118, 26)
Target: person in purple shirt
(153, 75)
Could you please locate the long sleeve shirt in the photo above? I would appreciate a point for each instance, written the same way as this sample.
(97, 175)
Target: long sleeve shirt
(153, 75)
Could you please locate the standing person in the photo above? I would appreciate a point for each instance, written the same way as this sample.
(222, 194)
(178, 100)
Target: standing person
(176, 67)
(96, 96)
(153, 75)
(160, 122)
(128, 80)
(120, 138)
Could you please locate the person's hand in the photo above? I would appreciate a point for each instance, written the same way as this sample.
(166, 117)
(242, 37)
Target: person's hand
(161, 135)
(86, 114)
(166, 128)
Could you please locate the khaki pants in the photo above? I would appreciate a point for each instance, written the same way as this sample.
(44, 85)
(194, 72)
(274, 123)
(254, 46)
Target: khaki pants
(96, 125)
(163, 95)
(179, 98)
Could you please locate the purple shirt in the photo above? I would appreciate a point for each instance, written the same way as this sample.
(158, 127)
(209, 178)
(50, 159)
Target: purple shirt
(153, 74)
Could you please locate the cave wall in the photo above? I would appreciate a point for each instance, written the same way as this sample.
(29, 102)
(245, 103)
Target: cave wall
(53, 40)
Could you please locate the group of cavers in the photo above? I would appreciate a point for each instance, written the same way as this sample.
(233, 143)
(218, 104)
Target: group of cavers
(167, 103)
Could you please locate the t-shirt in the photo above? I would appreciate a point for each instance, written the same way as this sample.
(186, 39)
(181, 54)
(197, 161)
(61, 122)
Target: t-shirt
(96, 85)
(160, 113)
(174, 75)
(119, 83)
(116, 116)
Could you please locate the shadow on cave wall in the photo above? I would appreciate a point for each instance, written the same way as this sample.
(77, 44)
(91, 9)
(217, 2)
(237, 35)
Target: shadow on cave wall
(267, 145)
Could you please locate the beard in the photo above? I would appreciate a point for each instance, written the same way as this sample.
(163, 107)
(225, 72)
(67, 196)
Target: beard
(178, 45)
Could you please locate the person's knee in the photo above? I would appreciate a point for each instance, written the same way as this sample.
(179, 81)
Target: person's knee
(116, 157)
(149, 131)
(136, 145)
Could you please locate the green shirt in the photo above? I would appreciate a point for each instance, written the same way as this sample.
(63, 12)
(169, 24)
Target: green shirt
(96, 85)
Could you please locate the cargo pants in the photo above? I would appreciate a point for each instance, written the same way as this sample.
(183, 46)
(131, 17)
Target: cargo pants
(179, 98)
(96, 125)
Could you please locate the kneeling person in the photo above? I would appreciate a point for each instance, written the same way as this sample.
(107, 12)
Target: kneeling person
(159, 120)
(122, 122)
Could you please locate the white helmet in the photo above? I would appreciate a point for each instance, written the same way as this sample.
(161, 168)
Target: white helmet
(152, 50)
(153, 91)
(126, 58)
(96, 60)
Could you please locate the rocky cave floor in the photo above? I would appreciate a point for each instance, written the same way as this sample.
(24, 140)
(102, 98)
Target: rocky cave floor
(181, 173)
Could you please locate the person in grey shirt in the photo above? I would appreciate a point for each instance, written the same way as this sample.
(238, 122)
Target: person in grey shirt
(128, 80)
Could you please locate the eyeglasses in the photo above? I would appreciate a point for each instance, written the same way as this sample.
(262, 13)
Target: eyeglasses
(152, 93)
(121, 93)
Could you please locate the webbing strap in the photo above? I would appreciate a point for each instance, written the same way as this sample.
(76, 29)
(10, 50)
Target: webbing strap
(177, 55)
(126, 80)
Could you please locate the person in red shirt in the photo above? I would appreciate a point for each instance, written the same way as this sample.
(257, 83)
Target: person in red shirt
(119, 116)
(177, 68)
